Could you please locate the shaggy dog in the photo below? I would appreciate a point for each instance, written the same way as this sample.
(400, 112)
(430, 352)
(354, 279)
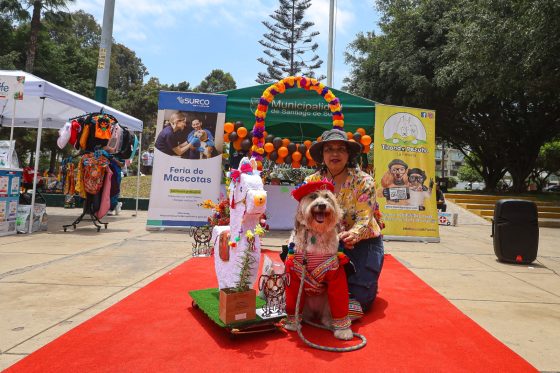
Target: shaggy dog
(315, 231)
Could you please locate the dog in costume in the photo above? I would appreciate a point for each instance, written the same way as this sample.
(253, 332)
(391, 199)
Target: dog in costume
(314, 241)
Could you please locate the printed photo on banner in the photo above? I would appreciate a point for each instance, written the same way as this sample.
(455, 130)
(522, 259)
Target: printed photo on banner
(405, 172)
(189, 135)
(402, 185)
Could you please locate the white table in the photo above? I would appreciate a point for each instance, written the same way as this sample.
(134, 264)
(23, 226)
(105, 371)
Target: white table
(280, 207)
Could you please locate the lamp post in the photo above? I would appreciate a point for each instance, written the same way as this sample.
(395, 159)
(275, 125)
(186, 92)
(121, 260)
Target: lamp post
(330, 45)
(104, 61)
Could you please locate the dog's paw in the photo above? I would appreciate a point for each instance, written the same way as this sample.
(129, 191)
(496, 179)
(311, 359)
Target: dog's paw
(344, 334)
(291, 326)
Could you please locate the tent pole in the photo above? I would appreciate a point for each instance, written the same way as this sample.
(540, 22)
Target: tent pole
(37, 156)
(138, 173)
(12, 148)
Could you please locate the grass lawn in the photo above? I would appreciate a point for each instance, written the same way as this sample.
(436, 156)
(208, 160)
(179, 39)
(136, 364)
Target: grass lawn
(128, 186)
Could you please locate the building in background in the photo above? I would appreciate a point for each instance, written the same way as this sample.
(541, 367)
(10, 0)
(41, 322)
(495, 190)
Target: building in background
(448, 161)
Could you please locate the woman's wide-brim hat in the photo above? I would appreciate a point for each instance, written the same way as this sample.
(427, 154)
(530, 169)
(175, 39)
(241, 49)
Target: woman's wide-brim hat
(316, 150)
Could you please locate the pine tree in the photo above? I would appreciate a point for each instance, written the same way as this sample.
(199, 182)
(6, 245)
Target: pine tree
(288, 42)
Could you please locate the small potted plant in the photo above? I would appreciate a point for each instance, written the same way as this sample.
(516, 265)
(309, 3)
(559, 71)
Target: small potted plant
(238, 303)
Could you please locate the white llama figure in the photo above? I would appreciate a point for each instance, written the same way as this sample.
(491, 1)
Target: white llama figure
(247, 203)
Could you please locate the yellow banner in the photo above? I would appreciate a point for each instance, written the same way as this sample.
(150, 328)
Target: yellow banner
(404, 160)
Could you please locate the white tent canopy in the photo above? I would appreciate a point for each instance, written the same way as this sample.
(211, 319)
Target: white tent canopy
(47, 105)
(60, 105)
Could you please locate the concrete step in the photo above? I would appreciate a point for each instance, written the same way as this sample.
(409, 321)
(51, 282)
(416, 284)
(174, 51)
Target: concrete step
(493, 202)
(543, 223)
(545, 215)
(486, 197)
(483, 199)
(483, 205)
(488, 206)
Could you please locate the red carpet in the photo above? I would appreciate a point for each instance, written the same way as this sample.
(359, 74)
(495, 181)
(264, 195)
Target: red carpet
(411, 328)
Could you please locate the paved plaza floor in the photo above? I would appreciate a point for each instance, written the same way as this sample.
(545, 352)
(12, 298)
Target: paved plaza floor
(52, 281)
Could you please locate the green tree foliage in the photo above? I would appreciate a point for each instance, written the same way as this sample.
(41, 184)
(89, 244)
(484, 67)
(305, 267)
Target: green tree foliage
(216, 81)
(142, 103)
(67, 51)
(288, 42)
(127, 70)
(488, 68)
(548, 163)
(180, 87)
(469, 172)
(68, 46)
(19, 10)
(9, 14)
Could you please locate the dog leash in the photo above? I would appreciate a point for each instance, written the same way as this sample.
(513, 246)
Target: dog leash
(298, 322)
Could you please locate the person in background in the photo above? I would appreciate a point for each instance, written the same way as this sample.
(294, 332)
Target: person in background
(147, 160)
(361, 220)
(171, 138)
(441, 205)
(202, 141)
(124, 169)
(116, 165)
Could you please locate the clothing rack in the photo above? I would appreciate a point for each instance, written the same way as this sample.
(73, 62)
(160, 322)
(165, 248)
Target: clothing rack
(92, 114)
(87, 210)
(88, 203)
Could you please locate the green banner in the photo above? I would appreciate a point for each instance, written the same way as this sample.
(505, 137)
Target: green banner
(299, 114)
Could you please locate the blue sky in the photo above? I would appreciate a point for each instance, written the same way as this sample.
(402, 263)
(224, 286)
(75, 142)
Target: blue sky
(184, 40)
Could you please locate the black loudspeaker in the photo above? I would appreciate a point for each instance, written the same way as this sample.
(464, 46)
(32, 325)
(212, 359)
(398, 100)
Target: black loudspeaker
(515, 229)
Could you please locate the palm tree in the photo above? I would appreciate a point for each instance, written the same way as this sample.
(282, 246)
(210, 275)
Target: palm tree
(38, 7)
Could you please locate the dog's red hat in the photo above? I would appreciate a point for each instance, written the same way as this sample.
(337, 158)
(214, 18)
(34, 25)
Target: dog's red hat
(310, 187)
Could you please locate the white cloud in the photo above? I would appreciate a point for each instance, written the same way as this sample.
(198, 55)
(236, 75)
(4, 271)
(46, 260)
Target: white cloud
(319, 11)
(135, 18)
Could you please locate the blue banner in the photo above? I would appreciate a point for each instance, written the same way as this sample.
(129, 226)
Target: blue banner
(187, 101)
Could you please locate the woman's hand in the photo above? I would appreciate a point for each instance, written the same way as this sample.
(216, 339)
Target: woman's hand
(349, 239)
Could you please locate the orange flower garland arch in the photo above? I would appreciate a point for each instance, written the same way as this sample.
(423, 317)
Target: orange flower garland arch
(257, 149)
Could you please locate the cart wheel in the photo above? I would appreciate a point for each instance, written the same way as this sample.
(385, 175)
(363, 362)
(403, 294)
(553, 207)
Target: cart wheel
(106, 225)
(64, 229)
(74, 226)
(98, 229)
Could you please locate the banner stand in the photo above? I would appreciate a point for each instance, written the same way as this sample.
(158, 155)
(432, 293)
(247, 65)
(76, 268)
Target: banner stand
(404, 161)
(187, 168)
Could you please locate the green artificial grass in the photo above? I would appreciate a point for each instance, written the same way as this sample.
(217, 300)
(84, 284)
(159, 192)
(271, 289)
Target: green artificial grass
(208, 300)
